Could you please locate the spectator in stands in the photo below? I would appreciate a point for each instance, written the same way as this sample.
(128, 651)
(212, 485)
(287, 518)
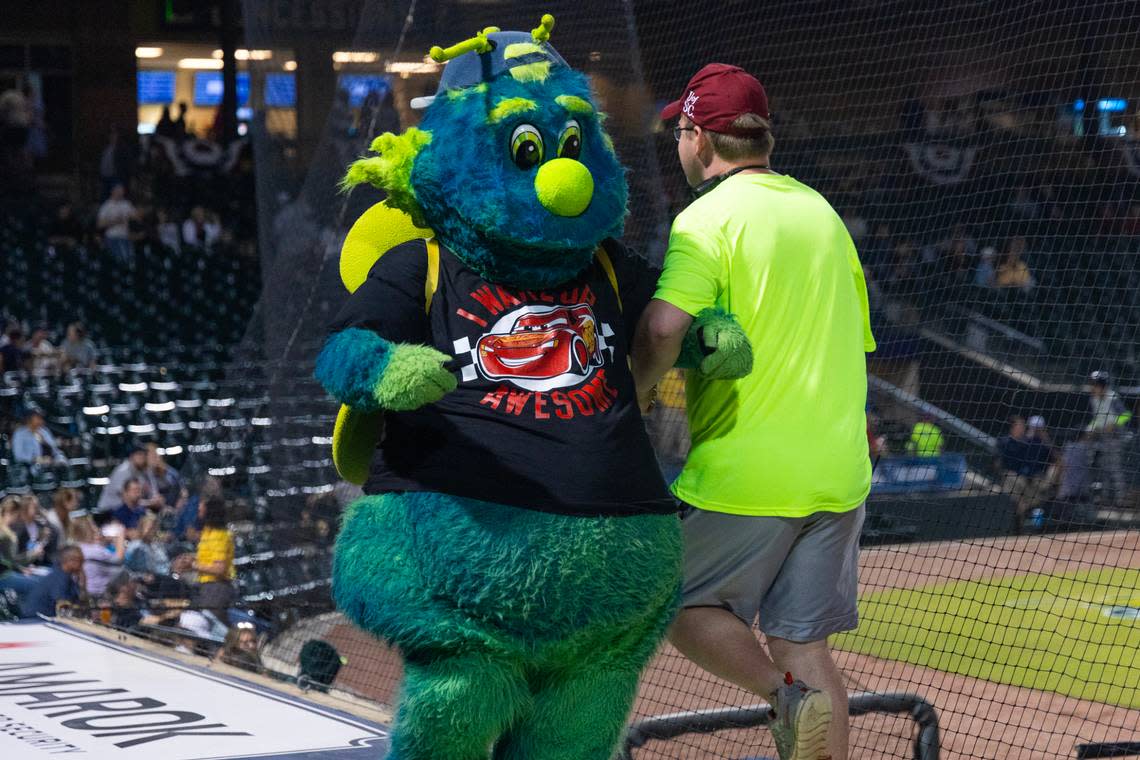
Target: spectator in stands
(167, 231)
(65, 583)
(33, 444)
(985, 275)
(925, 439)
(215, 561)
(189, 524)
(114, 222)
(1026, 454)
(1013, 272)
(1012, 448)
(1106, 430)
(37, 541)
(15, 573)
(115, 163)
(13, 356)
(131, 511)
(65, 230)
(15, 124)
(44, 356)
(78, 350)
(165, 126)
(201, 230)
(162, 480)
(63, 502)
(1076, 461)
(240, 648)
(146, 555)
(126, 613)
(134, 466)
(103, 552)
(180, 129)
(177, 582)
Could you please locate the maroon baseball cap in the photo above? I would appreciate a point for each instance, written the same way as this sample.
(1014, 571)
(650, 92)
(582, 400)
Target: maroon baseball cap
(717, 95)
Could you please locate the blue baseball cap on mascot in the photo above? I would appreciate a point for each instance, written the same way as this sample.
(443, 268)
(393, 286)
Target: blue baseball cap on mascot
(493, 56)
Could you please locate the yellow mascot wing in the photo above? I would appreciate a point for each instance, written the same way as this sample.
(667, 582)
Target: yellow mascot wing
(379, 229)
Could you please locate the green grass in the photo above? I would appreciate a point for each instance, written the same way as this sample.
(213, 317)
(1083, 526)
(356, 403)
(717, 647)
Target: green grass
(1049, 632)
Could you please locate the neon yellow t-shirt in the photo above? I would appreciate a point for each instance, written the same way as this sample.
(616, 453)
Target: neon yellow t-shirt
(791, 438)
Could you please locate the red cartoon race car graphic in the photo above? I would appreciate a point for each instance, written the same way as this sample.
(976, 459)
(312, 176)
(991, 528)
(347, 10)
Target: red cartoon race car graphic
(543, 343)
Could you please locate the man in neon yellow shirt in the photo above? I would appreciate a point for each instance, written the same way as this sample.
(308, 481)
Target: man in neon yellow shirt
(779, 469)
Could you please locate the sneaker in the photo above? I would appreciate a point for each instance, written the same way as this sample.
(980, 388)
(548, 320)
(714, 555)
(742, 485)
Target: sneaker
(799, 719)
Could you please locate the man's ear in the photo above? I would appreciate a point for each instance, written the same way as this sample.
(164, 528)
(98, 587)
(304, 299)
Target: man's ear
(704, 146)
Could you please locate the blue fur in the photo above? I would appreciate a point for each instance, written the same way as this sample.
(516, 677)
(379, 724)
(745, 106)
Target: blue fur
(484, 208)
(350, 367)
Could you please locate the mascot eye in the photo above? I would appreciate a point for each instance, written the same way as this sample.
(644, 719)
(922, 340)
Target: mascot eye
(526, 146)
(570, 141)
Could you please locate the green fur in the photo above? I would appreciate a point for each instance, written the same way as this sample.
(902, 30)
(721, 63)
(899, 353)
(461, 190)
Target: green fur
(716, 346)
(574, 104)
(508, 107)
(462, 92)
(517, 625)
(391, 171)
(415, 376)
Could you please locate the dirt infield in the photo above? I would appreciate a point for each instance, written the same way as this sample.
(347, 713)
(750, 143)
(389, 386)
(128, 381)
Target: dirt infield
(978, 719)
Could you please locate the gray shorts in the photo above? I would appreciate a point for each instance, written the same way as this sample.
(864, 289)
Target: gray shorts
(799, 574)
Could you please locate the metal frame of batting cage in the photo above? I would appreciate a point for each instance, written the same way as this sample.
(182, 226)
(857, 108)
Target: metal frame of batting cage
(1108, 749)
(657, 727)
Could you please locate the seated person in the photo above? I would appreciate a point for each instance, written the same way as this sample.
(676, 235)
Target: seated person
(131, 511)
(64, 583)
(103, 552)
(1024, 461)
(33, 444)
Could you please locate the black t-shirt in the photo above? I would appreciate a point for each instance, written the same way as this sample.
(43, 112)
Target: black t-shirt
(545, 414)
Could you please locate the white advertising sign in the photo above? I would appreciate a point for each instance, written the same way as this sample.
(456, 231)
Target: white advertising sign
(69, 695)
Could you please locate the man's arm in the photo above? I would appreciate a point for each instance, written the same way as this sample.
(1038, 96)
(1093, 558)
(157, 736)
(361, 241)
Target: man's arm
(656, 346)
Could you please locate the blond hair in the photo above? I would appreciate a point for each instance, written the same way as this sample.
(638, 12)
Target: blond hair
(735, 148)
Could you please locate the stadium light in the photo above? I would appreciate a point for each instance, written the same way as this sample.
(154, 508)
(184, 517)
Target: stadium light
(199, 63)
(411, 67)
(242, 54)
(354, 56)
(148, 52)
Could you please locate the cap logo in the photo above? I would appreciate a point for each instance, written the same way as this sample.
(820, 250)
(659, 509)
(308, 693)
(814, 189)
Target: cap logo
(690, 101)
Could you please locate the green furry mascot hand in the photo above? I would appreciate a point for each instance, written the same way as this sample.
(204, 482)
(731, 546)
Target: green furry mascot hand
(716, 346)
(364, 371)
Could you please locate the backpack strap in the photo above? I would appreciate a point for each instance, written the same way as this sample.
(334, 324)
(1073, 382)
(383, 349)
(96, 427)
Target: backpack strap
(604, 259)
(431, 282)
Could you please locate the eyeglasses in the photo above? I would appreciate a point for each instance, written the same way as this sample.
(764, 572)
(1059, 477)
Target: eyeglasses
(678, 130)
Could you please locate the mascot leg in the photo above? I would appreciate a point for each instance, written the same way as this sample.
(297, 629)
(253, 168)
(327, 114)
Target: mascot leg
(580, 711)
(455, 707)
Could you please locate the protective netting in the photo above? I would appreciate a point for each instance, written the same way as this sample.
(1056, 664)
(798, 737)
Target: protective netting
(984, 158)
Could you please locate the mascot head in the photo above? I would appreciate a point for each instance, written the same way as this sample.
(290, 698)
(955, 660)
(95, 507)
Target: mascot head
(511, 167)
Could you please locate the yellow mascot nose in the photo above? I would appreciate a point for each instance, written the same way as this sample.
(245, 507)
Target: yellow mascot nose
(564, 186)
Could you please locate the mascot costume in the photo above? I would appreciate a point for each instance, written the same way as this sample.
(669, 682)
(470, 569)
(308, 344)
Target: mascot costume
(518, 544)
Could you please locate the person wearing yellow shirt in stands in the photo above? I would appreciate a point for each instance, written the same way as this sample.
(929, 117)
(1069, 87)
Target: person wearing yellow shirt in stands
(215, 561)
(925, 439)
